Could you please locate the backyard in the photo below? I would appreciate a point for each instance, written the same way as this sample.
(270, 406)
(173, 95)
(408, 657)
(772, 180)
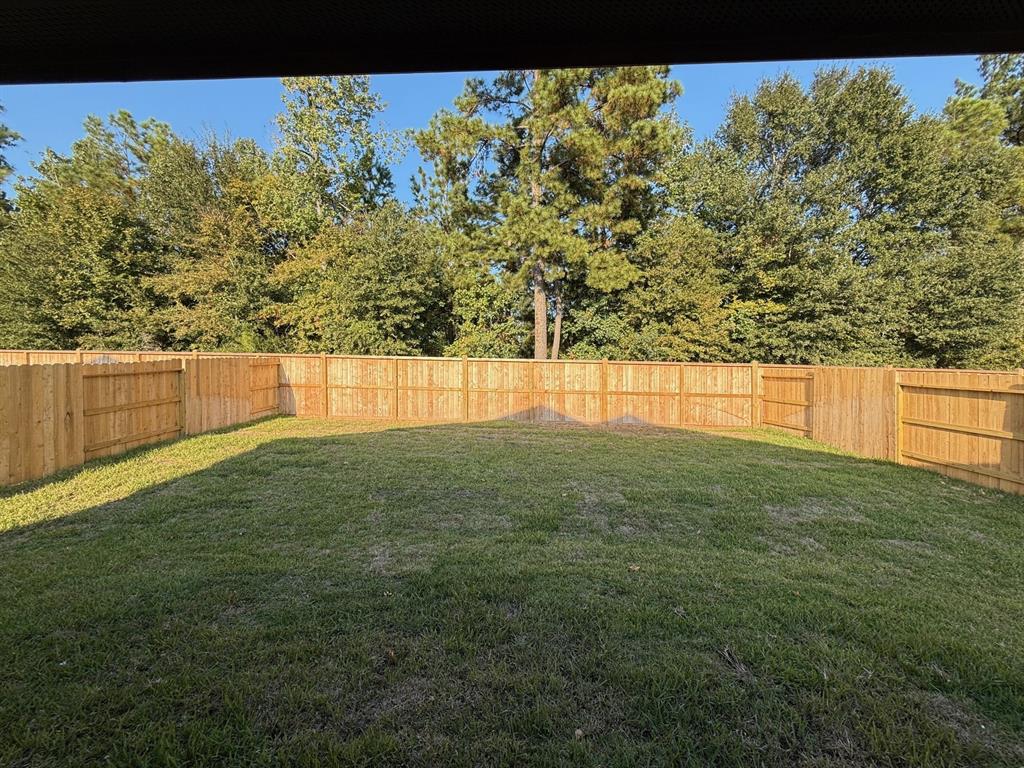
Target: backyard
(312, 592)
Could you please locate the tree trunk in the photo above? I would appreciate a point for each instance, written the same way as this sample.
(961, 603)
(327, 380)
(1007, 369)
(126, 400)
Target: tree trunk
(556, 342)
(540, 312)
(540, 294)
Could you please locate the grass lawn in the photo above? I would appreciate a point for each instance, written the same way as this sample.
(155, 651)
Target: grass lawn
(320, 593)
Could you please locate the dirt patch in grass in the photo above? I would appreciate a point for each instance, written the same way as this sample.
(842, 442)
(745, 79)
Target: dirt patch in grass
(398, 699)
(596, 498)
(381, 561)
(790, 547)
(811, 510)
(391, 559)
(597, 503)
(969, 728)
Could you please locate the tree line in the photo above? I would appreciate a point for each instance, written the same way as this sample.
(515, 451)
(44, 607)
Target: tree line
(561, 213)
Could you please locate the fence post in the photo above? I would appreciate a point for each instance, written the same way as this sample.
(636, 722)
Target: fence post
(324, 400)
(193, 393)
(682, 394)
(755, 394)
(604, 391)
(465, 388)
(75, 417)
(812, 398)
(394, 387)
(183, 399)
(894, 414)
(533, 390)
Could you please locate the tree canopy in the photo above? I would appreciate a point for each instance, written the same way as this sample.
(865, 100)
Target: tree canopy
(558, 213)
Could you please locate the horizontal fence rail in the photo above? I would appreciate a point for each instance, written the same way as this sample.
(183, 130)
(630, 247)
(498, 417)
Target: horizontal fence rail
(56, 415)
(59, 408)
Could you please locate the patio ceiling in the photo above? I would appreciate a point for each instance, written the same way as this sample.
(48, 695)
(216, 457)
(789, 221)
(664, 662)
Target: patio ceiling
(93, 40)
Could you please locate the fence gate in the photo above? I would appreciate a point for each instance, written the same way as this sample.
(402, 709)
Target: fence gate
(970, 428)
(787, 398)
(263, 384)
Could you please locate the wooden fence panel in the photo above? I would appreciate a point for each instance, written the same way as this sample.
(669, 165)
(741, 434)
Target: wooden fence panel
(965, 424)
(500, 389)
(643, 393)
(787, 398)
(566, 391)
(300, 381)
(263, 387)
(429, 389)
(219, 392)
(40, 420)
(716, 396)
(126, 405)
(66, 406)
(852, 410)
(361, 387)
(54, 416)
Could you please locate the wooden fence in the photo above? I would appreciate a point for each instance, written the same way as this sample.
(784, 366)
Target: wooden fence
(459, 389)
(59, 415)
(966, 424)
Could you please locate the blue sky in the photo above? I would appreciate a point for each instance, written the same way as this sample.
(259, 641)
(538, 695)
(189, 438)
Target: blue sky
(52, 115)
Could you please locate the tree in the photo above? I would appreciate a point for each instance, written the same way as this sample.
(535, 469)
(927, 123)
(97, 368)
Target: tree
(839, 208)
(1002, 77)
(373, 286)
(675, 308)
(207, 205)
(8, 138)
(553, 174)
(490, 312)
(331, 151)
(75, 255)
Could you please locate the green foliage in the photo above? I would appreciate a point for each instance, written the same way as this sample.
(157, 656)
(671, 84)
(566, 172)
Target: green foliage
(563, 209)
(332, 154)
(491, 313)
(8, 138)
(673, 310)
(139, 238)
(375, 286)
(1003, 85)
(90, 295)
(76, 252)
(842, 216)
(556, 173)
(220, 245)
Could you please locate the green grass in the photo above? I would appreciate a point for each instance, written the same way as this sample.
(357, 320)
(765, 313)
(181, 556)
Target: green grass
(314, 593)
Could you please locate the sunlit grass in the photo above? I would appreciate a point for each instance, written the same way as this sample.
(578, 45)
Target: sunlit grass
(320, 593)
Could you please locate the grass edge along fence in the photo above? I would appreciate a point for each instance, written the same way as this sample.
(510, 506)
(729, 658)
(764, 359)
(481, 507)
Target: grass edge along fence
(965, 424)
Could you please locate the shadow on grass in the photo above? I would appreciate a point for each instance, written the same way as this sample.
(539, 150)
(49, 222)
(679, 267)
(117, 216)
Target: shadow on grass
(507, 594)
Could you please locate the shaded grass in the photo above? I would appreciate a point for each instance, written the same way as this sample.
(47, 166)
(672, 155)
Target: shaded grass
(321, 593)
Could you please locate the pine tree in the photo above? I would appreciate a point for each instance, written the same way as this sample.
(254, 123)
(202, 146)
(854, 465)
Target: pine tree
(1002, 77)
(551, 173)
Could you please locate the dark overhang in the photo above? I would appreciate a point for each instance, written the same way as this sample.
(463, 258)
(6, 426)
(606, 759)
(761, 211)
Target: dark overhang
(77, 40)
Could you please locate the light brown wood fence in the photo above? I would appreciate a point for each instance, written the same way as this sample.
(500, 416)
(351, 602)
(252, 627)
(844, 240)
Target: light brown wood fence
(58, 415)
(966, 424)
